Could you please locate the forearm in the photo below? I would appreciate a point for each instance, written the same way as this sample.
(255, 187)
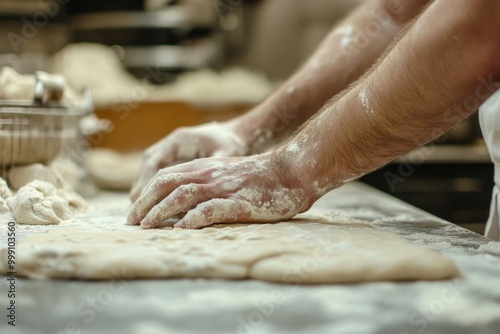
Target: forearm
(345, 54)
(430, 81)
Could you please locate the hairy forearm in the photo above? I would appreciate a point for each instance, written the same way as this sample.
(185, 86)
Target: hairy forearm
(432, 79)
(345, 54)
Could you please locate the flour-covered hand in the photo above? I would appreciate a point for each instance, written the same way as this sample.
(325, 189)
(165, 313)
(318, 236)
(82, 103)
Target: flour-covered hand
(185, 144)
(221, 190)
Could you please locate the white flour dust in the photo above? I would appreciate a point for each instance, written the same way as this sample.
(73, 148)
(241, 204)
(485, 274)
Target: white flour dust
(293, 147)
(364, 99)
(261, 138)
(347, 36)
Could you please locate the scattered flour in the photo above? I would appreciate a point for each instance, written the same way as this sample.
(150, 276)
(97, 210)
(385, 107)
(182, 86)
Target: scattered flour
(304, 250)
(261, 139)
(363, 98)
(293, 147)
(490, 247)
(347, 36)
(216, 174)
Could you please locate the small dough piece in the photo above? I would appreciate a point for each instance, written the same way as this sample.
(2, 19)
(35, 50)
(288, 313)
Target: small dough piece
(15, 86)
(113, 170)
(40, 203)
(5, 194)
(305, 250)
(21, 176)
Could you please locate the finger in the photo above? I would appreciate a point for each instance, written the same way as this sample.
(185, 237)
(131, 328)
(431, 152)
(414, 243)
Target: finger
(150, 166)
(161, 154)
(217, 210)
(180, 200)
(148, 170)
(158, 188)
(203, 170)
(139, 184)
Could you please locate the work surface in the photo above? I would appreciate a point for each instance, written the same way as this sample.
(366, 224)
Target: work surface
(470, 304)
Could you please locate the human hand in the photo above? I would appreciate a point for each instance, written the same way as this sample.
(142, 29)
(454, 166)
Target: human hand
(185, 144)
(222, 190)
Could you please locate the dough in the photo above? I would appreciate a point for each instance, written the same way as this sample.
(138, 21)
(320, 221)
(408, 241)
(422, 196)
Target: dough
(39, 202)
(113, 170)
(306, 250)
(15, 86)
(21, 176)
(5, 194)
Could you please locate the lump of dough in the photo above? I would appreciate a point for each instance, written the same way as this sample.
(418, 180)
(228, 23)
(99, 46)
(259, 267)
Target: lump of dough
(15, 86)
(21, 176)
(5, 194)
(40, 203)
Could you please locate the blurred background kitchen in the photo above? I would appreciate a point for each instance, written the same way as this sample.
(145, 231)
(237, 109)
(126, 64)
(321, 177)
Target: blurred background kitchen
(154, 65)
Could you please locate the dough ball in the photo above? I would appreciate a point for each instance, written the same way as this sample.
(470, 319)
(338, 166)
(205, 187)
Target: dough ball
(20, 177)
(39, 203)
(15, 86)
(5, 194)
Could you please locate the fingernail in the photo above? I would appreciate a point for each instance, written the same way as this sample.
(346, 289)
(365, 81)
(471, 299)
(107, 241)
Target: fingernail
(179, 225)
(145, 225)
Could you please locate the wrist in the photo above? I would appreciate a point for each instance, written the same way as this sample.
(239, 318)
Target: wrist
(303, 168)
(253, 129)
(292, 178)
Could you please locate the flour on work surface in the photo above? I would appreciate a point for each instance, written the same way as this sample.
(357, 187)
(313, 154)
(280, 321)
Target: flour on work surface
(311, 248)
(491, 247)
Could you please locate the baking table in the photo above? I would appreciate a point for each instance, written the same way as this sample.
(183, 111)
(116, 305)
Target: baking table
(469, 304)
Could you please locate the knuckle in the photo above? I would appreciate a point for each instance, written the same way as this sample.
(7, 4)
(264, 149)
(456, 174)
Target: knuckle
(187, 189)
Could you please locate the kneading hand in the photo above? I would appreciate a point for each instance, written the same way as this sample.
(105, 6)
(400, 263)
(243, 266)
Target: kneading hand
(221, 190)
(185, 144)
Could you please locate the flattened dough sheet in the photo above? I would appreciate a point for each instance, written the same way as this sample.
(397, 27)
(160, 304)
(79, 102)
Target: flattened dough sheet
(305, 250)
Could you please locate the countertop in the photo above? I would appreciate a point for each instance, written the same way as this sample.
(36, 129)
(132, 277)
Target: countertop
(469, 304)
